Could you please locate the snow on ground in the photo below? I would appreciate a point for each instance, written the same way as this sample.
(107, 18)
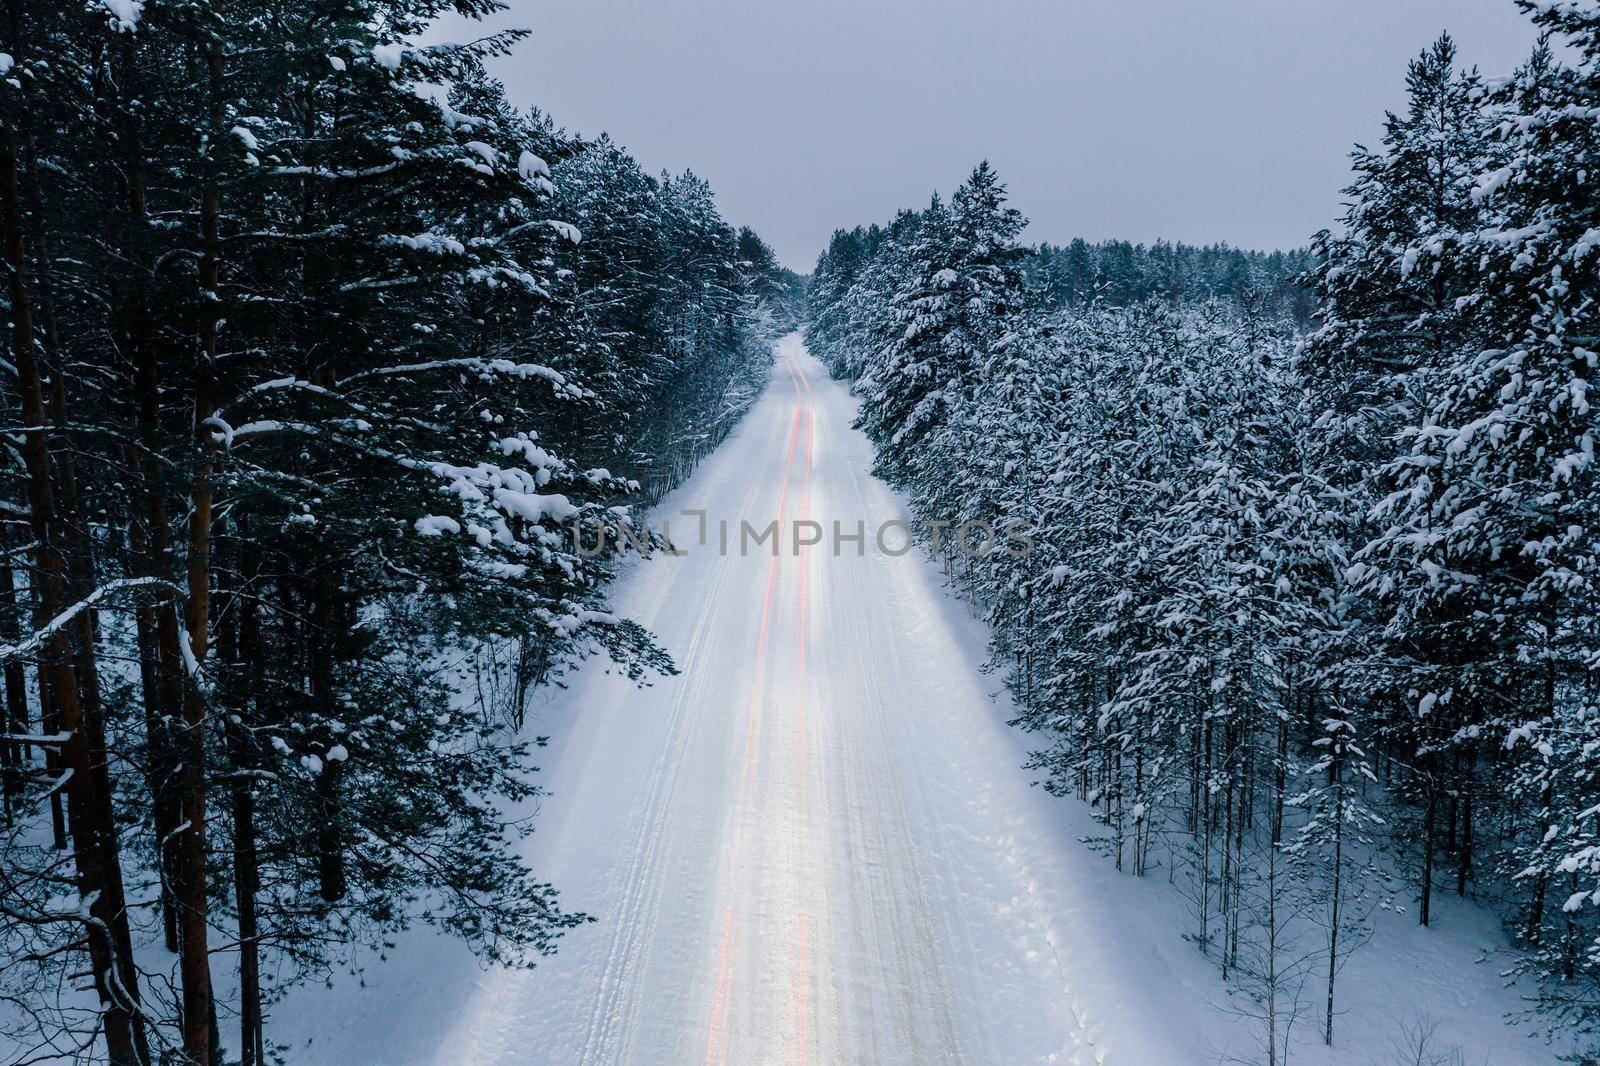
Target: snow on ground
(816, 844)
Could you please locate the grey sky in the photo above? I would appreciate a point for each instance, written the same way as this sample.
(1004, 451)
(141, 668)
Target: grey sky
(1196, 120)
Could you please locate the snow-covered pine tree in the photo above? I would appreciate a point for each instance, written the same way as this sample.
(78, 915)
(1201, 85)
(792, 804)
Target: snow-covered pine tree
(963, 279)
(1395, 285)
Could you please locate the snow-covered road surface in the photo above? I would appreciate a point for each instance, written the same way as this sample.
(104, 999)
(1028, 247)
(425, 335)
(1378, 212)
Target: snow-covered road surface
(815, 844)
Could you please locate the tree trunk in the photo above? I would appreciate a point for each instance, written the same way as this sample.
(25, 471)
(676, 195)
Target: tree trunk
(195, 961)
(246, 864)
(238, 660)
(1336, 885)
(161, 667)
(48, 719)
(72, 519)
(1541, 880)
(1464, 846)
(17, 755)
(1429, 829)
(89, 818)
(330, 831)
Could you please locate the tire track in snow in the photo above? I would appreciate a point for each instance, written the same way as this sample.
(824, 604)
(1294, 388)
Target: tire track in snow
(800, 950)
(641, 890)
(913, 601)
(720, 1026)
(883, 859)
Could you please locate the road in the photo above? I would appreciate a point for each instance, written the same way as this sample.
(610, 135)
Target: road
(816, 843)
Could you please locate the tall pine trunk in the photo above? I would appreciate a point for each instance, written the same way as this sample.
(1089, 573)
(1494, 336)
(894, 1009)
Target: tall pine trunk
(16, 754)
(90, 819)
(1430, 822)
(330, 829)
(195, 962)
(161, 668)
(1336, 880)
(246, 861)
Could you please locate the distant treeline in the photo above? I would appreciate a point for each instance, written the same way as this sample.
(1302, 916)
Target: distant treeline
(1118, 273)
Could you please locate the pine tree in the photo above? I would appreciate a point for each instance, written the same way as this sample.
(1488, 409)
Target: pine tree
(1395, 286)
(962, 280)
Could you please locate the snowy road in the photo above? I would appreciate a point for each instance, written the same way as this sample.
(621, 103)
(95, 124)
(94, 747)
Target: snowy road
(815, 844)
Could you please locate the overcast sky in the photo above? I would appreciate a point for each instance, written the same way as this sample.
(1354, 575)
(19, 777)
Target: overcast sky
(1195, 120)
